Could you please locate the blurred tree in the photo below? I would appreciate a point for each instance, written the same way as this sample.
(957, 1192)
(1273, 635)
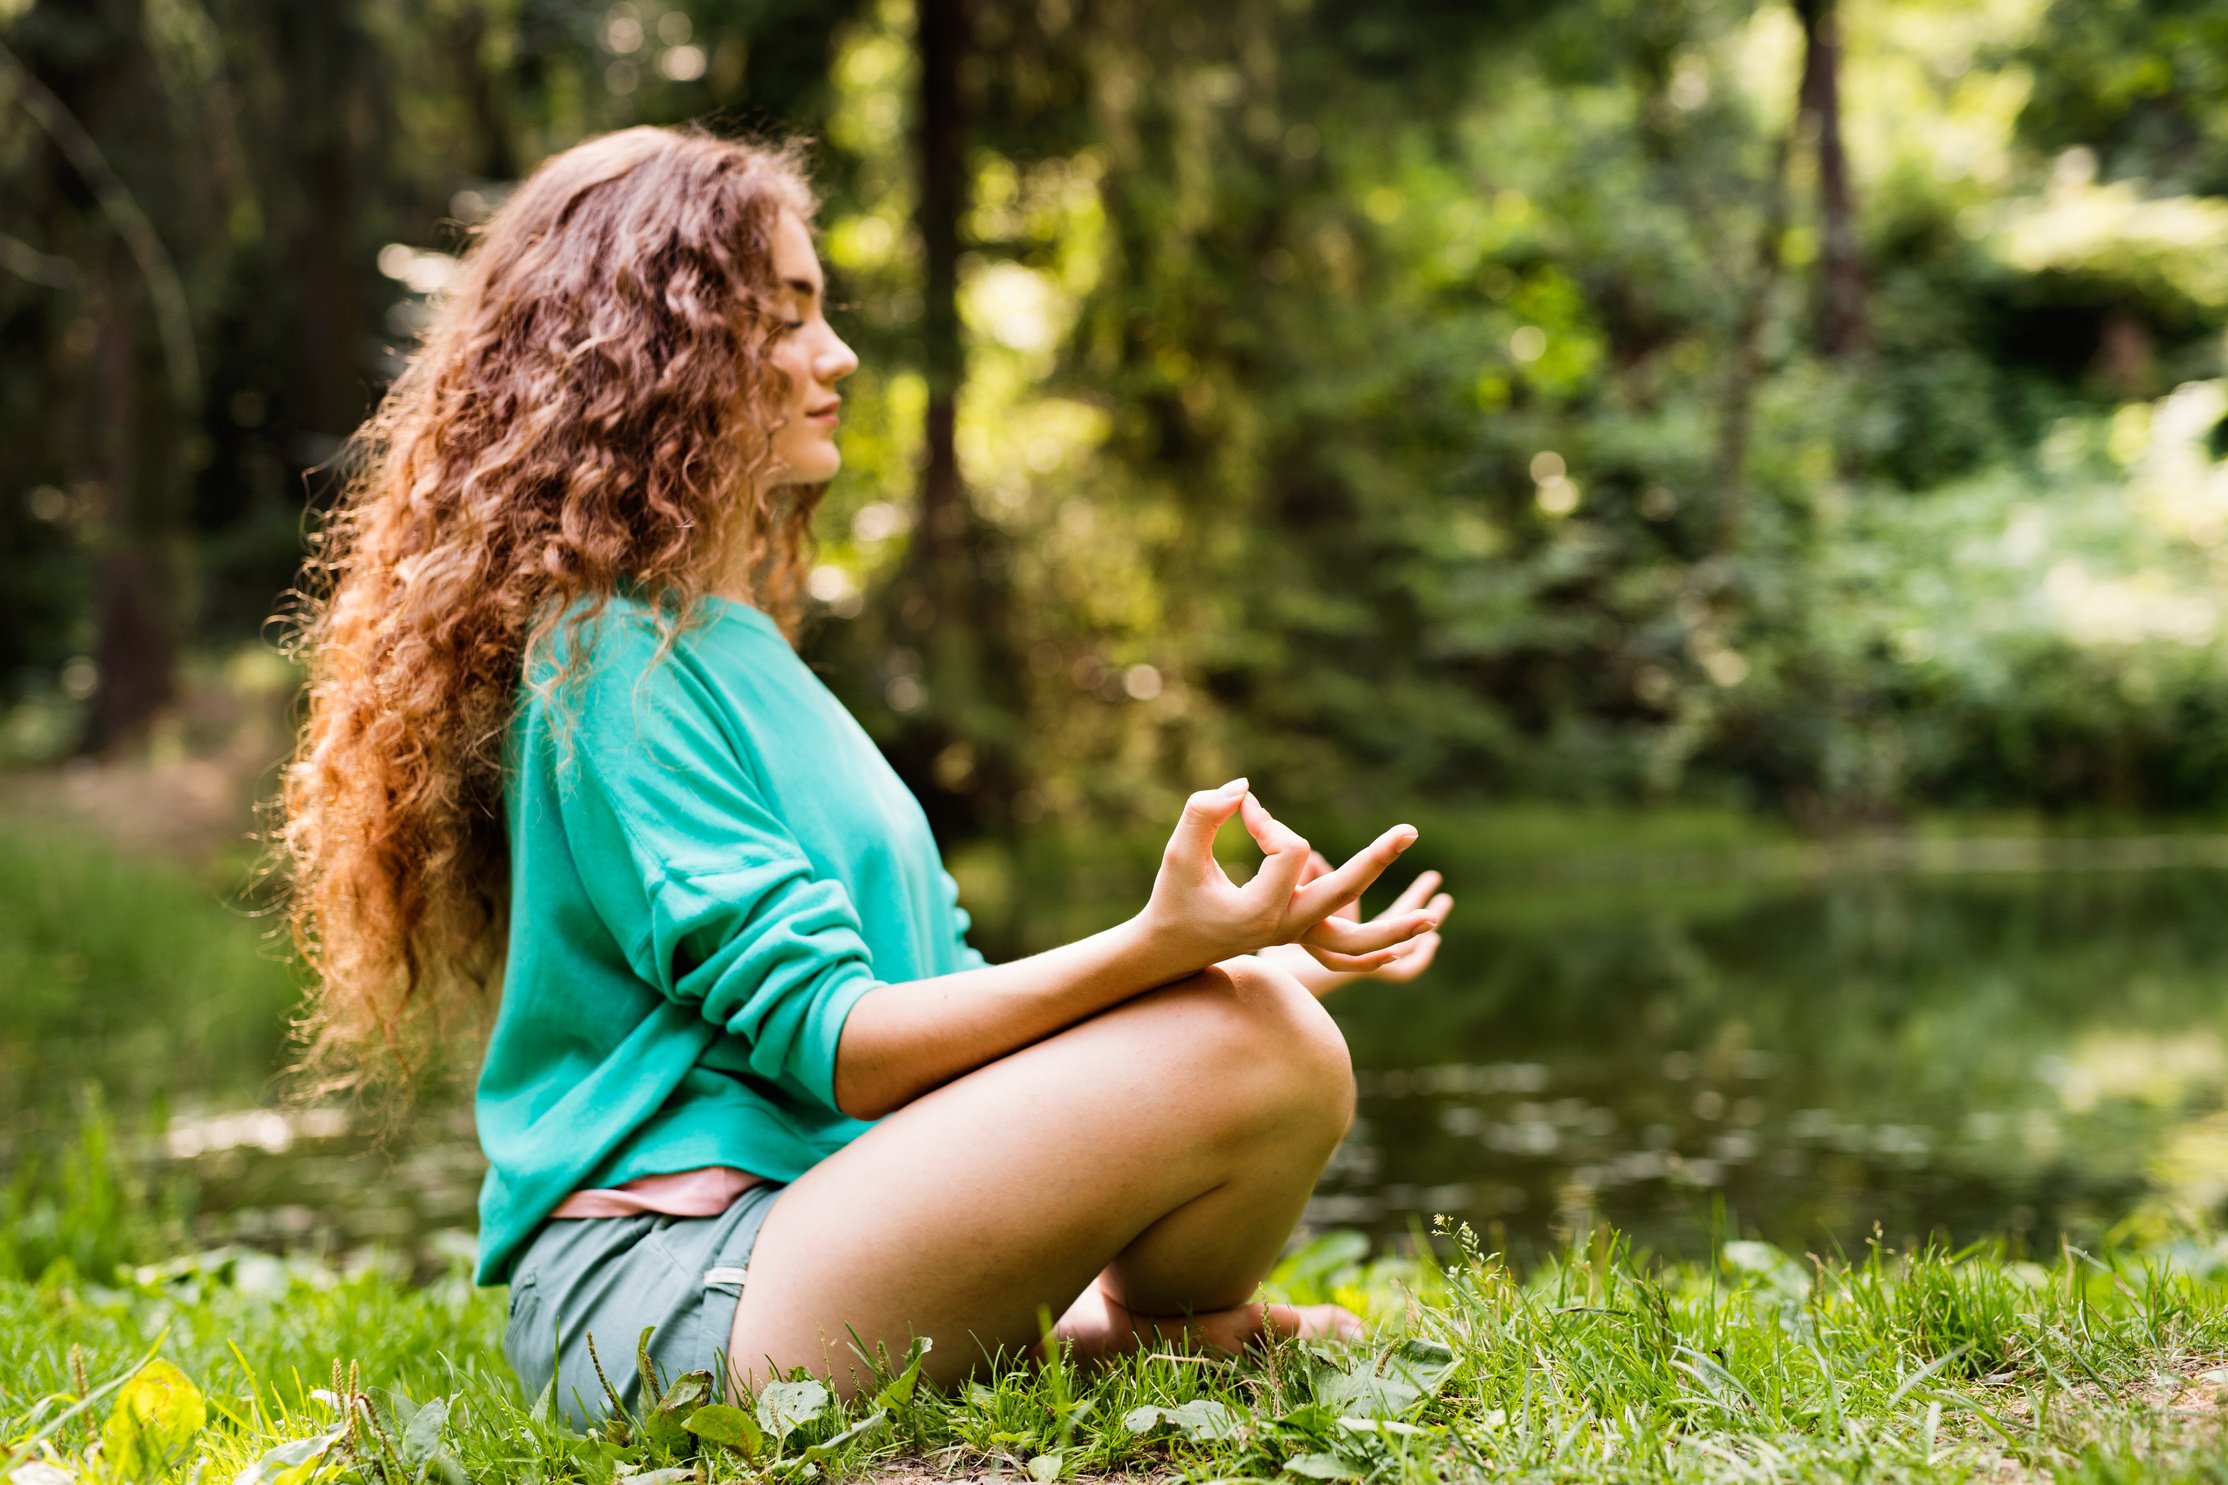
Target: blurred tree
(1422, 397)
(85, 70)
(961, 749)
(2140, 84)
(1843, 325)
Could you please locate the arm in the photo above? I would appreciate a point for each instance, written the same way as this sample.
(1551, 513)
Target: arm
(717, 907)
(900, 1041)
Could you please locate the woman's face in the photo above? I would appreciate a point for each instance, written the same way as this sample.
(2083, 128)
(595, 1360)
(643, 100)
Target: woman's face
(814, 357)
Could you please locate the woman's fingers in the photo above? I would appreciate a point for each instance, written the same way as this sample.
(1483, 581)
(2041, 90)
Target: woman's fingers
(1314, 901)
(1354, 964)
(1318, 865)
(1415, 893)
(1414, 959)
(1285, 855)
(1205, 813)
(1384, 932)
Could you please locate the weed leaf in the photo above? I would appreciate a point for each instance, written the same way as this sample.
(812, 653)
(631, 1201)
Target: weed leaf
(729, 1427)
(784, 1407)
(1321, 1467)
(1388, 1385)
(546, 1405)
(899, 1390)
(1202, 1419)
(156, 1415)
(667, 1426)
(690, 1391)
(422, 1434)
(858, 1430)
(293, 1462)
(1045, 1468)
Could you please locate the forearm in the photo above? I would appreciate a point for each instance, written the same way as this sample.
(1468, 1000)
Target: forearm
(902, 1040)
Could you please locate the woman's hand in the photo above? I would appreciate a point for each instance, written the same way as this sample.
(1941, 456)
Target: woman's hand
(1201, 916)
(1324, 972)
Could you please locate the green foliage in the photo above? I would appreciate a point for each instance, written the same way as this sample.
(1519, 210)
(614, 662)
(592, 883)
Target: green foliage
(129, 970)
(130, 980)
(86, 1207)
(1425, 404)
(157, 1413)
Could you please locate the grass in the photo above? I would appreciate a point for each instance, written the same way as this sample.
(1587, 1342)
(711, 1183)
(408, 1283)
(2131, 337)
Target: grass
(1920, 1366)
(153, 979)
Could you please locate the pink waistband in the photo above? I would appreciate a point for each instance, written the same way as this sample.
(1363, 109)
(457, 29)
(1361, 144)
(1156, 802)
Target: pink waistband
(704, 1192)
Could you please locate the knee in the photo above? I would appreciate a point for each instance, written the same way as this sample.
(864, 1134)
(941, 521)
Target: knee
(1266, 1041)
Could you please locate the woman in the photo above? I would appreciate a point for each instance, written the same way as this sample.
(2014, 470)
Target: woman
(747, 1083)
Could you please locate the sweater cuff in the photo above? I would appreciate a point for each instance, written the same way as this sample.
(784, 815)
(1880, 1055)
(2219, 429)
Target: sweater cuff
(816, 1066)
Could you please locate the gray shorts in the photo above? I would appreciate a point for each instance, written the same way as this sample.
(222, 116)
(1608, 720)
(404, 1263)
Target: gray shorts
(611, 1276)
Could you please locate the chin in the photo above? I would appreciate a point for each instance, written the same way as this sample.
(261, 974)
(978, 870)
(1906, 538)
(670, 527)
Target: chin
(810, 471)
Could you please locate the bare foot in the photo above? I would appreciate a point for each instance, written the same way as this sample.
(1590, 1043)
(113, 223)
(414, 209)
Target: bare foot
(1097, 1325)
(1315, 1322)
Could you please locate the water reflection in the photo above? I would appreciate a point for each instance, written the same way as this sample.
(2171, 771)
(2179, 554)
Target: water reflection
(2022, 1054)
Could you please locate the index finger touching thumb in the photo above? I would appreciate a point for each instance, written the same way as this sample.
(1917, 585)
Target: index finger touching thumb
(1205, 813)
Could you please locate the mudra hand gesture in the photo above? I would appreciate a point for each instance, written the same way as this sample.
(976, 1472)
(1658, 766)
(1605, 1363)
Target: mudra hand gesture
(1296, 899)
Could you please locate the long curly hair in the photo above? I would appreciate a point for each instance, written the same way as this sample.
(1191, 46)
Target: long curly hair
(592, 404)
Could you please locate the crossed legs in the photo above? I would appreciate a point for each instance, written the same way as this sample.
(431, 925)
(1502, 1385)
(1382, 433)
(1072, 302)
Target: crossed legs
(1151, 1159)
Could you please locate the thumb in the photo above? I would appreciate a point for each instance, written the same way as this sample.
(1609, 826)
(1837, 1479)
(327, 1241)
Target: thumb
(1205, 813)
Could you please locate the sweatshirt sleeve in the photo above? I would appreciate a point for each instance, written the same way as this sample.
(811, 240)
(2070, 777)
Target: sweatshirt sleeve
(969, 956)
(710, 897)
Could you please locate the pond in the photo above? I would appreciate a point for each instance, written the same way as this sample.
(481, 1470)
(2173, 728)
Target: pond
(1803, 1055)
(1970, 1054)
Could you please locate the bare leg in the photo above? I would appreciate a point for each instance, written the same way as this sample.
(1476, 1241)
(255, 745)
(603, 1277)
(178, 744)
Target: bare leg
(1168, 1143)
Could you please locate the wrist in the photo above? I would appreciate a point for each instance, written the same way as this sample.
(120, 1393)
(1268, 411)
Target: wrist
(1154, 953)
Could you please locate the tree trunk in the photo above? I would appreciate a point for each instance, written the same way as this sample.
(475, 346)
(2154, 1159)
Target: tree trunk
(943, 515)
(1843, 322)
(961, 753)
(134, 598)
(332, 391)
(93, 87)
(1745, 363)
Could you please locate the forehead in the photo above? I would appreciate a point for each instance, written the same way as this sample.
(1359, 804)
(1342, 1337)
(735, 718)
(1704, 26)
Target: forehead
(793, 254)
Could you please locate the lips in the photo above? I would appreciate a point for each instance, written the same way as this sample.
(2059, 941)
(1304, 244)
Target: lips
(827, 411)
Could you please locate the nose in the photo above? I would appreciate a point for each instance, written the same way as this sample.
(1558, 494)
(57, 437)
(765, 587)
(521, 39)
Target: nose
(836, 360)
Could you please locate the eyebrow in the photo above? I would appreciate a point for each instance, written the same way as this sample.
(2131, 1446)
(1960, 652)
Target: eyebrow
(804, 286)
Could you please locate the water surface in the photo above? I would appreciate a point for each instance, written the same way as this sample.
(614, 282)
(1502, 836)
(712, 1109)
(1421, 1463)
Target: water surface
(1804, 1056)
(1969, 1053)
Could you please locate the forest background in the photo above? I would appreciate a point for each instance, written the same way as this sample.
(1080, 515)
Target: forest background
(1809, 408)
(1610, 429)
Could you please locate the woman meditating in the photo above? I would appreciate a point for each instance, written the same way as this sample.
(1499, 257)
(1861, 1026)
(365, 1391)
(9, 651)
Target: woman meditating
(745, 1080)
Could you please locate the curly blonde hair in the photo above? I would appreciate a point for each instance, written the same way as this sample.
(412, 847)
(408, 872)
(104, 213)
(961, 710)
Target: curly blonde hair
(591, 405)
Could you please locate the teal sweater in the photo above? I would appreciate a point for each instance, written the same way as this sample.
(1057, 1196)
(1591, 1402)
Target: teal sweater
(701, 889)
